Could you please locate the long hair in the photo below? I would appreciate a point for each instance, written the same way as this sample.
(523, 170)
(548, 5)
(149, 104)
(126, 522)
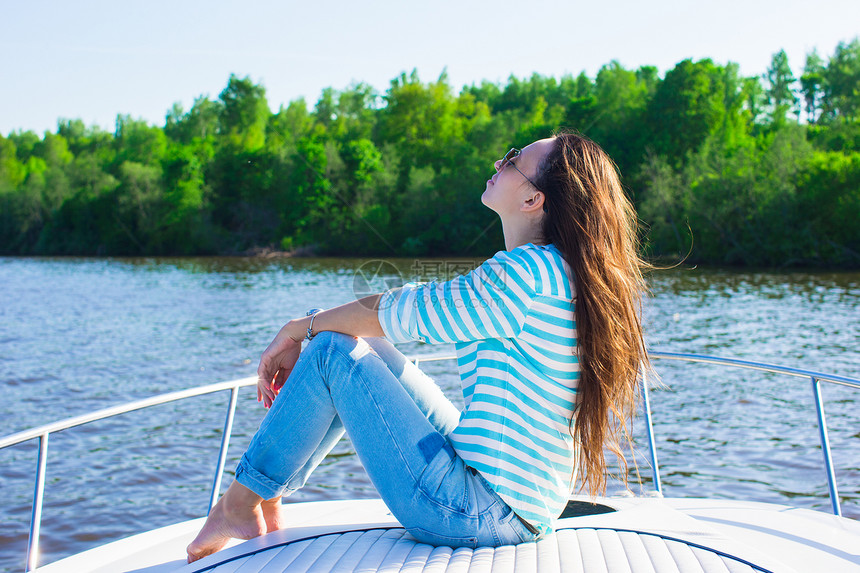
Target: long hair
(592, 222)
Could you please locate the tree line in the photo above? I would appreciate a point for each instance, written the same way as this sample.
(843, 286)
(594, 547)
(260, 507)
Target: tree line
(722, 168)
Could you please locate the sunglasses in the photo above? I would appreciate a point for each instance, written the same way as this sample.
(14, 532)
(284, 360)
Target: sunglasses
(508, 159)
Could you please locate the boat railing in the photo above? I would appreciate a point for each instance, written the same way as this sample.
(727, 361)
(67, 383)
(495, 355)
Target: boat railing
(42, 433)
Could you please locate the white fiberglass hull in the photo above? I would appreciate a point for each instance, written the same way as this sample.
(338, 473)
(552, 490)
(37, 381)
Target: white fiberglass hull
(643, 534)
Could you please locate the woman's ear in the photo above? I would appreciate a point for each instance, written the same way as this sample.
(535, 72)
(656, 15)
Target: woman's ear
(534, 203)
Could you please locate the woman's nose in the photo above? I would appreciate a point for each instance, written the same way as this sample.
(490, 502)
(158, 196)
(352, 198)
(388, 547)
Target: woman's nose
(497, 164)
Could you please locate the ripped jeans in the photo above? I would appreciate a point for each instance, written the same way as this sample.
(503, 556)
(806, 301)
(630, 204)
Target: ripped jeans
(397, 419)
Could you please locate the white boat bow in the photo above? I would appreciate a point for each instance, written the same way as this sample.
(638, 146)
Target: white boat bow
(626, 534)
(641, 535)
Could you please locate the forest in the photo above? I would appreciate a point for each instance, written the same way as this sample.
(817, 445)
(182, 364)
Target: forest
(723, 169)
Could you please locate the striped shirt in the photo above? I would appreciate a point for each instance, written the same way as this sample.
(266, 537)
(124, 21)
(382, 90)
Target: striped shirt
(512, 323)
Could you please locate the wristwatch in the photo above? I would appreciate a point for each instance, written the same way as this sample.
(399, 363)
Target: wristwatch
(311, 313)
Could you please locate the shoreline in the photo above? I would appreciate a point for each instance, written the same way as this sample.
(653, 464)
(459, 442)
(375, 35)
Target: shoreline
(663, 263)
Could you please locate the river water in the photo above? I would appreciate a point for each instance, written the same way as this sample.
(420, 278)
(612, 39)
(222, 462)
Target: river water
(81, 334)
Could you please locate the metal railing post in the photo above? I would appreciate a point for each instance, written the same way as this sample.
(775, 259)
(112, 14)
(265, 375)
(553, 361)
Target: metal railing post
(825, 447)
(225, 441)
(646, 406)
(38, 495)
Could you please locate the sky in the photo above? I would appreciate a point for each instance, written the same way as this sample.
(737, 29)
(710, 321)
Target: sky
(92, 59)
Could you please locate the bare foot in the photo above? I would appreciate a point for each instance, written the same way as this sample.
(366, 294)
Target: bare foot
(236, 515)
(272, 514)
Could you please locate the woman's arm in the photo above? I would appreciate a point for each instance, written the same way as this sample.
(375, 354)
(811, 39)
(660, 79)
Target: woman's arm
(356, 318)
(491, 301)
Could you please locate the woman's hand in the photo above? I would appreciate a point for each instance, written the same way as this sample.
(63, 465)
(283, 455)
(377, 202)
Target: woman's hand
(356, 318)
(277, 362)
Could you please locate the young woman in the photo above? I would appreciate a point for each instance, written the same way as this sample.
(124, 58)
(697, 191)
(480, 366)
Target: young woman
(548, 341)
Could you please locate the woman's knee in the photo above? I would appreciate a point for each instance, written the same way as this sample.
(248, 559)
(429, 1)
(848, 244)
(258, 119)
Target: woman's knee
(327, 340)
(328, 353)
(335, 350)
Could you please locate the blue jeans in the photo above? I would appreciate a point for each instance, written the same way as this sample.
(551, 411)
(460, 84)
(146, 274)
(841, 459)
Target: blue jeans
(397, 419)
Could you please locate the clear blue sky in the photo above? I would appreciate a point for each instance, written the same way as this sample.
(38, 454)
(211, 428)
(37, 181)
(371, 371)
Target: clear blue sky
(93, 59)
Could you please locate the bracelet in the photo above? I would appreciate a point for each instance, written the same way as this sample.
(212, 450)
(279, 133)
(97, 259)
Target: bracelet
(311, 313)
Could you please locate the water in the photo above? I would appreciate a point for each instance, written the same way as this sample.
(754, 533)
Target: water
(81, 334)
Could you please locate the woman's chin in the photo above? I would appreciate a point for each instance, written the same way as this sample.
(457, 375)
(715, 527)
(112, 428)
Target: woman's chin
(484, 199)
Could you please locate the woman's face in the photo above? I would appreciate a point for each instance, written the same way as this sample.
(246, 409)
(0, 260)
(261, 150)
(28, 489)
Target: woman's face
(508, 190)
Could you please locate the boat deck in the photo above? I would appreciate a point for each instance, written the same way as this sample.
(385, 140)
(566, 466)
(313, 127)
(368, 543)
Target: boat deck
(642, 535)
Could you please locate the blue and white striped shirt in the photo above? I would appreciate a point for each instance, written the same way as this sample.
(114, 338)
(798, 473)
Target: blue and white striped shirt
(512, 323)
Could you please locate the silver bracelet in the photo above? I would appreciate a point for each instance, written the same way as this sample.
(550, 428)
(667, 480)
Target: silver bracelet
(311, 313)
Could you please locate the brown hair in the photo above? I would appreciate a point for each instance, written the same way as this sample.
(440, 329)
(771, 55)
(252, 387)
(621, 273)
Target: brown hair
(592, 222)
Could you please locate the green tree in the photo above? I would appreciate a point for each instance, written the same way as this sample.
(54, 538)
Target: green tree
(755, 101)
(80, 219)
(13, 207)
(134, 208)
(812, 84)
(312, 192)
(356, 112)
(25, 144)
(139, 142)
(200, 123)
(842, 83)
(12, 172)
(83, 139)
(734, 130)
(420, 120)
(244, 114)
(54, 151)
(183, 225)
(686, 108)
(829, 200)
(621, 100)
(582, 105)
(288, 125)
(780, 94)
(662, 206)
